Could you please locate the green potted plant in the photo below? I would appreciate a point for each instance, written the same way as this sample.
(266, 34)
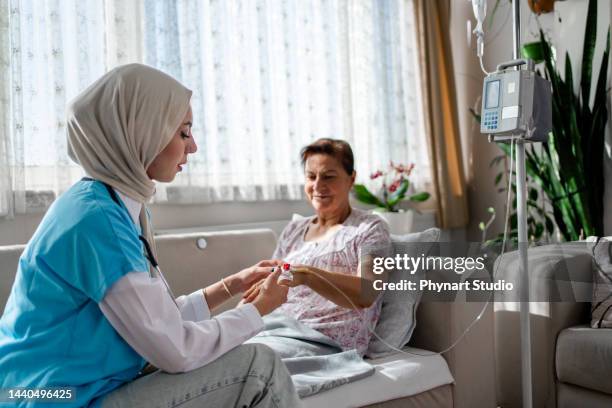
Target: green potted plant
(393, 190)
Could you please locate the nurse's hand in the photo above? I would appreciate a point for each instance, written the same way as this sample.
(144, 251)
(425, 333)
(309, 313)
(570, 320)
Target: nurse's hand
(246, 278)
(270, 294)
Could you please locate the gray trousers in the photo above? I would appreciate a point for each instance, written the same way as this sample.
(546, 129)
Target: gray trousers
(251, 375)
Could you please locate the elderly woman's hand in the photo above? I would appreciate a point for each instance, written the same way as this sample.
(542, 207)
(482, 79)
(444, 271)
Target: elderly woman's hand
(302, 275)
(246, 278)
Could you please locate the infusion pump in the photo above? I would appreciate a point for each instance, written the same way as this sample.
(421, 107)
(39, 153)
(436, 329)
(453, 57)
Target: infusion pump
(516, 103)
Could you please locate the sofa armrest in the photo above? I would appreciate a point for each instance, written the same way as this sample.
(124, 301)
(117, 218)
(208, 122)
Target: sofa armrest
(439, 324)
(9, 261)
(560, 279)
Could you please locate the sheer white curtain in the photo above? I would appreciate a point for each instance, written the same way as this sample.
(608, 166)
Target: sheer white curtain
(268, 78)
(6, 201)
(54, 49)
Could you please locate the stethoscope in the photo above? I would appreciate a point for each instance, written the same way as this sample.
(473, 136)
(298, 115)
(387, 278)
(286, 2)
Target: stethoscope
(148, 252)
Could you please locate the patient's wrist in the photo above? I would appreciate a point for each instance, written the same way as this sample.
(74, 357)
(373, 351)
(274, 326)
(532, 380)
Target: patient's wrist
(302, 278)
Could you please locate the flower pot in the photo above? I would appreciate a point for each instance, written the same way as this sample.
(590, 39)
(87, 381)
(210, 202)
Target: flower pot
(399, 222)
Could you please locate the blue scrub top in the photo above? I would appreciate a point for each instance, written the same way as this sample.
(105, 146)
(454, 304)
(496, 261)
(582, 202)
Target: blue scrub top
(52, 332)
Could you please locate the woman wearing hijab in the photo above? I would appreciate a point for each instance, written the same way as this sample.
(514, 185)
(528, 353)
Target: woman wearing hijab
(89, 308)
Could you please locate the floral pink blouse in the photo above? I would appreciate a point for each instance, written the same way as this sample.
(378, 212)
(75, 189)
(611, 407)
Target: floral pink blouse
(339, 253)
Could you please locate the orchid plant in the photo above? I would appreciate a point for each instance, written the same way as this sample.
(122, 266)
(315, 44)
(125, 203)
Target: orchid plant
(395, 185)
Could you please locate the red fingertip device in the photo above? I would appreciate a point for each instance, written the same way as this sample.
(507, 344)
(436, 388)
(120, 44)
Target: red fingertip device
(286, 272)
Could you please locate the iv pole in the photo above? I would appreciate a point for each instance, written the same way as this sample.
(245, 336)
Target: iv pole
(521, 198)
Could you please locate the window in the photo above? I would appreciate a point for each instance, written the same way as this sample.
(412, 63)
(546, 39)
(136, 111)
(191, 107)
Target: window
(268, 78)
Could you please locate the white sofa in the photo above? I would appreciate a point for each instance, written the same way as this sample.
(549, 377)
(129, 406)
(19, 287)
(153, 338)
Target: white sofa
(399, 379)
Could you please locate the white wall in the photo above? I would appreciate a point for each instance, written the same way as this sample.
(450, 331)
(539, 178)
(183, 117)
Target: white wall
(566, 27)
(477, 151)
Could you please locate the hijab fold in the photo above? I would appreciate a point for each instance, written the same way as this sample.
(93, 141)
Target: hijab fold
(120, 123)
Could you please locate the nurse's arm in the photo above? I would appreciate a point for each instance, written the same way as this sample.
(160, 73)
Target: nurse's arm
(197, 305)
(215, 294)
(142, 312)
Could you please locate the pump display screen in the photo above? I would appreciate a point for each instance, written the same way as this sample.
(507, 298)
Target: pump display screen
(492, 95)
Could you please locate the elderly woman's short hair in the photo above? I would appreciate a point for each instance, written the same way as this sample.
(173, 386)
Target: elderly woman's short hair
(336, 148)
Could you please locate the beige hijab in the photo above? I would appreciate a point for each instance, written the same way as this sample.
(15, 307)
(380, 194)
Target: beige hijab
(119, 124)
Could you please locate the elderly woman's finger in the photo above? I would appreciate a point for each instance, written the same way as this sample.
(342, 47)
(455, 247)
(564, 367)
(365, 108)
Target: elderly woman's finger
(252, 289)
(251, 297)
(247, 292)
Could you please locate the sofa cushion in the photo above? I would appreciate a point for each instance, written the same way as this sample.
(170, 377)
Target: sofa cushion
(570, 396)
(584, 358)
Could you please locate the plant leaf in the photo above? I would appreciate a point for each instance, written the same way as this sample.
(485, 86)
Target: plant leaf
(539, 230)
(590, 38)
(363, 194)
(600, 92)
(497, 159)
(420, 197)
(498, 178)
(550, 226)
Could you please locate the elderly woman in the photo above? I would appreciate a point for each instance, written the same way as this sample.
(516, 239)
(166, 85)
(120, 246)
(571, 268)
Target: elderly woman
(89, 306)
(331, 289)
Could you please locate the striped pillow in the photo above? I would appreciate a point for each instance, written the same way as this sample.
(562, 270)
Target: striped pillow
(601, 307)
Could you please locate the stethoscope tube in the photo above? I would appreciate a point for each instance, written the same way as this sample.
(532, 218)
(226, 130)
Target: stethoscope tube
(149, 254)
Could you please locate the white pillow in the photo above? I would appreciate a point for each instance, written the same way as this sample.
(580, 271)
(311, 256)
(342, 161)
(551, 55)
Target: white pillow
(398, 310)
(296, 217)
